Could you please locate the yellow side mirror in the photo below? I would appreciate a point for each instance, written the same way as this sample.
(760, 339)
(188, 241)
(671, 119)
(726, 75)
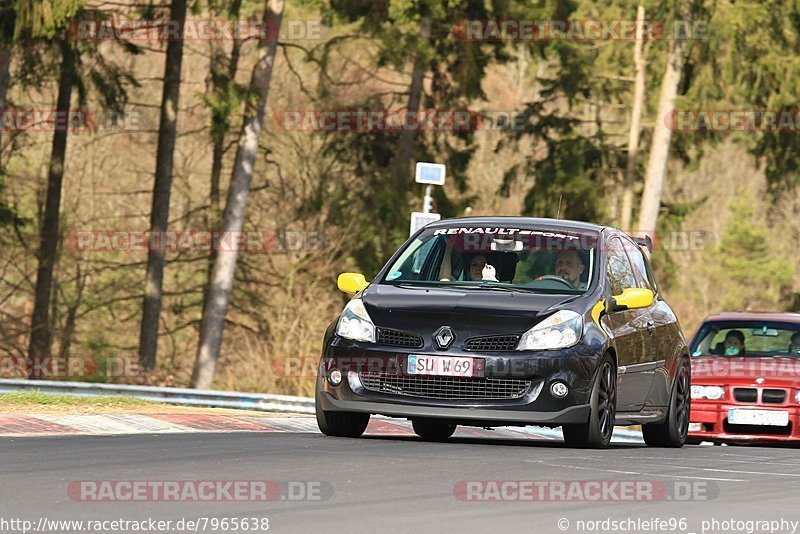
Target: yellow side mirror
(630, 299)
(351, 283)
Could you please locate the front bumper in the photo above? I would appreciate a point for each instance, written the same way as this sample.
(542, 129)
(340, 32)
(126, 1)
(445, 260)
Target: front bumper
(575, 366)
(713, 420)
(461, 415)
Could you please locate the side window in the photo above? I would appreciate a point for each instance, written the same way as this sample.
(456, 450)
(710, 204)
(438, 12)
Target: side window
(619, 272)
(639, 268)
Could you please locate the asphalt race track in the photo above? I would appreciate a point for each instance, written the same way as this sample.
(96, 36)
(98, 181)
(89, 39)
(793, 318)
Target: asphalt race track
(401, 484)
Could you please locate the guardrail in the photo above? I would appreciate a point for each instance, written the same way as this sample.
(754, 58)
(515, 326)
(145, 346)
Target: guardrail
(217, 399)
(195, 397)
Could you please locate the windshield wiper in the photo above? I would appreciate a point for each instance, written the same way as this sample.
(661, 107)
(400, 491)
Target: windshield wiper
(416, 284)
(507, 289)
(424, 284)
(428, 284)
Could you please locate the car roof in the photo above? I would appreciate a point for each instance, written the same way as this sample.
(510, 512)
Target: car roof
(521, 221)
(778, 317)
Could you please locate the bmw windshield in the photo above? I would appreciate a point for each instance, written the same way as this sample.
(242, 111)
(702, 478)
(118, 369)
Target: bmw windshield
(540, 260)
(747, 338)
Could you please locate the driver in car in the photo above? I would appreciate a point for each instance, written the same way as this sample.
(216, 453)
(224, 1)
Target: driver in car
(570, 267)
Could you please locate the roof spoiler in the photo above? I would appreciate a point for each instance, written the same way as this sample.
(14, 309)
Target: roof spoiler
(645, 241)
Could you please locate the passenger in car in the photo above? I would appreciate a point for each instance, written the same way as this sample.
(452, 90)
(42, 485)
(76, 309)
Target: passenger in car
(734, 343)
(476, 268)
(794, 344)
(481, 269)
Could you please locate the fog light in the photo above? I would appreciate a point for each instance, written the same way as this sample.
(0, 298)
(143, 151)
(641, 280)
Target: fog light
(695, 427)
(559, 389)
(335, 377)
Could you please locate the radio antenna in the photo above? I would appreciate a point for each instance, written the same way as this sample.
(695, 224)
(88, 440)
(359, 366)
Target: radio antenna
(558, 213)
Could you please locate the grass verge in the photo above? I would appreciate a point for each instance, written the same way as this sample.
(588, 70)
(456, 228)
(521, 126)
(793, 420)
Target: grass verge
(46, 399)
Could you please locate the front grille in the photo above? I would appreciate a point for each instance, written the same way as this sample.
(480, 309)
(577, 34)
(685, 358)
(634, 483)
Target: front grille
(745, 394)
(773, 396)
(445, 387)
(757, 429)
(387, 336)
(492, 343)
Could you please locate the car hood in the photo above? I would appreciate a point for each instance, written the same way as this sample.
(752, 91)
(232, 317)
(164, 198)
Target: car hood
(775, 371)
(477, 311)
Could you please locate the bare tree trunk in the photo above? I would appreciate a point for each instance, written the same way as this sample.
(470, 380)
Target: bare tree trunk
(41, 335)
(220, 72)
(636, 120)
(159, 213)
(216, 306)
(5, 67)
(405, 147)
(659, 148)
(217, 136)
(72, 312)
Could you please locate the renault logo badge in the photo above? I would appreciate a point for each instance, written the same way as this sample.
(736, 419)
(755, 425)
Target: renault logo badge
(444, 337)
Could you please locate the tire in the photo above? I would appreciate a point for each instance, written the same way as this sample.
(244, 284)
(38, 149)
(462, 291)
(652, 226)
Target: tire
(673, 431)
(596, 433)
(340, 424)
(432, 429)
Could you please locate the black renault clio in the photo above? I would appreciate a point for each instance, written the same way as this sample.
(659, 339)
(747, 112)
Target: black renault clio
(509, 322)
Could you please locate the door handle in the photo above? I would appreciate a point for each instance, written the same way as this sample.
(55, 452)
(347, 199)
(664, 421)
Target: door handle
(651, 327)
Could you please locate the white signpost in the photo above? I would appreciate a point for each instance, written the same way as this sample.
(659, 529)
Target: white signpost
(420, 219)
(428, 174)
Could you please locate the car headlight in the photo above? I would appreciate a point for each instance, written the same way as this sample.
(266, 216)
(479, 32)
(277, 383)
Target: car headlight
(355, 322)
(708, 392)
(560, 330)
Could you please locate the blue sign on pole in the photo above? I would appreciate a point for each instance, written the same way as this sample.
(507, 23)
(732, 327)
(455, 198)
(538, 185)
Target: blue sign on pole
(430, 173)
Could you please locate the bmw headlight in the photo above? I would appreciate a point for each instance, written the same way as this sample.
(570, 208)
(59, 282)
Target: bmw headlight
(355, 322)
(560, 330)
(708, 392)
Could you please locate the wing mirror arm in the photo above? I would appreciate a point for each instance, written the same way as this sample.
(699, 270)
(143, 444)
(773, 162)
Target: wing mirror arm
(610, 305)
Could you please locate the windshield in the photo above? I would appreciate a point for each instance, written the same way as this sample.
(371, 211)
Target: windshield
(547, 261)
(750, 338)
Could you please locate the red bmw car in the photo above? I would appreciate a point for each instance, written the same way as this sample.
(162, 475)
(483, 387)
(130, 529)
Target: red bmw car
(746, 379)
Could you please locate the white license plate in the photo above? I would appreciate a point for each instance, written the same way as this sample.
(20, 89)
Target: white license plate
(419, 364)
(758, 417)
